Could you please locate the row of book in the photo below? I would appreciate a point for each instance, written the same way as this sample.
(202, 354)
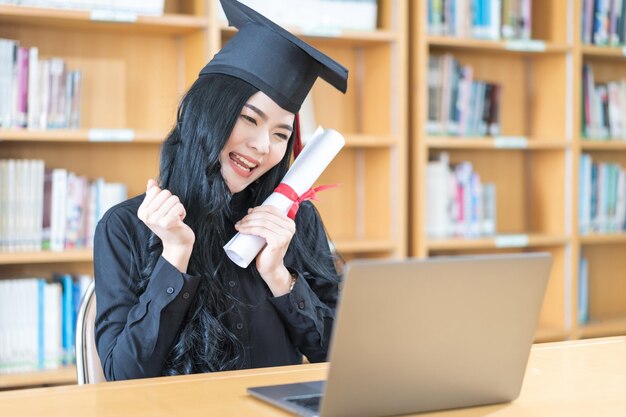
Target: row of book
(37, 93)
(481, 19)
(602, 196)
(458, 105)
(318, 16)
(50, 209)
(604, 107)
(603, 22)
(458, 203)
(38, 322)
(141, 7)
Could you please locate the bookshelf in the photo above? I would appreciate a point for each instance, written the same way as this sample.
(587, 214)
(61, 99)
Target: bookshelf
(528, 160)
(366, 215)
(534, 163)
(603, 251)
(134, 75)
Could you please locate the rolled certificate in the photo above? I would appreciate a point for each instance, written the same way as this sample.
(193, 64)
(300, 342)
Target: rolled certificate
(305, 170)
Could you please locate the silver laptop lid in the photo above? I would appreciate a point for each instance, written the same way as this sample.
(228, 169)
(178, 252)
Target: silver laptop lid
(419, 335)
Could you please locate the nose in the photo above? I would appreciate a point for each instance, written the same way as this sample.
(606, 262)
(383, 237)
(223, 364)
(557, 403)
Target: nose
(260, 142)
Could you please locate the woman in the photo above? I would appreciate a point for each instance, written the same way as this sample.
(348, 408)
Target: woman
(169, 301)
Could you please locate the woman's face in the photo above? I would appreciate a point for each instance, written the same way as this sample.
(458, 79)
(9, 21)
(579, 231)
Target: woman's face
(257, 143)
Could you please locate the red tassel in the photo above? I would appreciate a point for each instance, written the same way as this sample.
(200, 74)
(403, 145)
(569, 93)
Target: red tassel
(297, 142)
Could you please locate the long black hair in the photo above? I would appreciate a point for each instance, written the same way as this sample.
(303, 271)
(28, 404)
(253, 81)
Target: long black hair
(190, 168)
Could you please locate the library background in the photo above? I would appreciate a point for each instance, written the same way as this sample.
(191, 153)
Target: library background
(472, 126)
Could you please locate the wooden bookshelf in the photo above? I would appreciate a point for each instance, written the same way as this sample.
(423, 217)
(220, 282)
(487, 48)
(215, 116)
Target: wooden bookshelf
(366, 215)
(134, 74)
(604, 252)
(530, 160)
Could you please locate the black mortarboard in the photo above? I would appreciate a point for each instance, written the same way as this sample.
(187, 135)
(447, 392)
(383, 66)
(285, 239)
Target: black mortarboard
(273, 60)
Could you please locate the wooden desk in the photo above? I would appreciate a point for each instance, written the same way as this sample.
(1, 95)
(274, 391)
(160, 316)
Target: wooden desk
(581, 378)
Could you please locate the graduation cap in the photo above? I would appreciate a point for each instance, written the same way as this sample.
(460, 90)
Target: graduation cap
(273, 60)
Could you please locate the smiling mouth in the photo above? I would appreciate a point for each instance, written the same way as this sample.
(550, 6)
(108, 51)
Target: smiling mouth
(242, 163)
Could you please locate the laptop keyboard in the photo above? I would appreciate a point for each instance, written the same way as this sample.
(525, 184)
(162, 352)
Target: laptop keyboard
(310, 402)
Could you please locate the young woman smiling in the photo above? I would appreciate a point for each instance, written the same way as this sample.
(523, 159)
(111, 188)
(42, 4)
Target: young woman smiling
(169, 301)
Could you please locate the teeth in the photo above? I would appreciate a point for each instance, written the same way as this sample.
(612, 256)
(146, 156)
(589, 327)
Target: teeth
(247, 163)
(243, 168)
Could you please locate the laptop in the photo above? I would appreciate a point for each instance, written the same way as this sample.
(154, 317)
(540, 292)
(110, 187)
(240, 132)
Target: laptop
(420, 335)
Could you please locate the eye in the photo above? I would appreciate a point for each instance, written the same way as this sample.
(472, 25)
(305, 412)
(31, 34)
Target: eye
(281, 136)
(249, 119)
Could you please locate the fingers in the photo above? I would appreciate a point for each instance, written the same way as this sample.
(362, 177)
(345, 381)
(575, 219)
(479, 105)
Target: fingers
(163, 204)
(152, 190)
(170, 213)
(160, 206)
(269, 217)
(269, 223)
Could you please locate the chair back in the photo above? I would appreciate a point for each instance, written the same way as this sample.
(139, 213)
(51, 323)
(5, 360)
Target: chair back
(88, 366)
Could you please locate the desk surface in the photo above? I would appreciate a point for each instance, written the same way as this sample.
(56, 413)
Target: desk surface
(580, 378)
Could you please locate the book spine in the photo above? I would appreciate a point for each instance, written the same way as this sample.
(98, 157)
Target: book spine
(21, 108)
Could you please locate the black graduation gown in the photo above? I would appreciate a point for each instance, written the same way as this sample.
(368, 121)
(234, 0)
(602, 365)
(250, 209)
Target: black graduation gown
(135, 331)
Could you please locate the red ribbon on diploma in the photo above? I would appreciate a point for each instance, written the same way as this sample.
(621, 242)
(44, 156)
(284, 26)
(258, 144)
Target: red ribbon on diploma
(291, 194)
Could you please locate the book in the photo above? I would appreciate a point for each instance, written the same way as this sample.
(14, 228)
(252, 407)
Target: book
(52, 326)
(33, 89)
(58, 209)
(21, 96)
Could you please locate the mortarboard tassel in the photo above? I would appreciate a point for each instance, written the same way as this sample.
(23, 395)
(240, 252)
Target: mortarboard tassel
(297, 142)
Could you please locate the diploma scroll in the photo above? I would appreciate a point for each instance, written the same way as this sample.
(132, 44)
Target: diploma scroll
(306, 169)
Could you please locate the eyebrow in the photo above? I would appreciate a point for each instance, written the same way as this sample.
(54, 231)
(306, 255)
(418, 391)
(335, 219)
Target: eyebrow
(263, 116)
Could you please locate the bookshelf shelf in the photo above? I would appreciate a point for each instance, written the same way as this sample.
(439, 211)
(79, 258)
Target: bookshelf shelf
(592, 51)
(602, 239)
(346, 37)
(603, 145)
(62, 376)
(538, 47)
(603, 328)
(497, 242)
(493, 144)
(68, 256)
(82, 135)
(172, 24)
